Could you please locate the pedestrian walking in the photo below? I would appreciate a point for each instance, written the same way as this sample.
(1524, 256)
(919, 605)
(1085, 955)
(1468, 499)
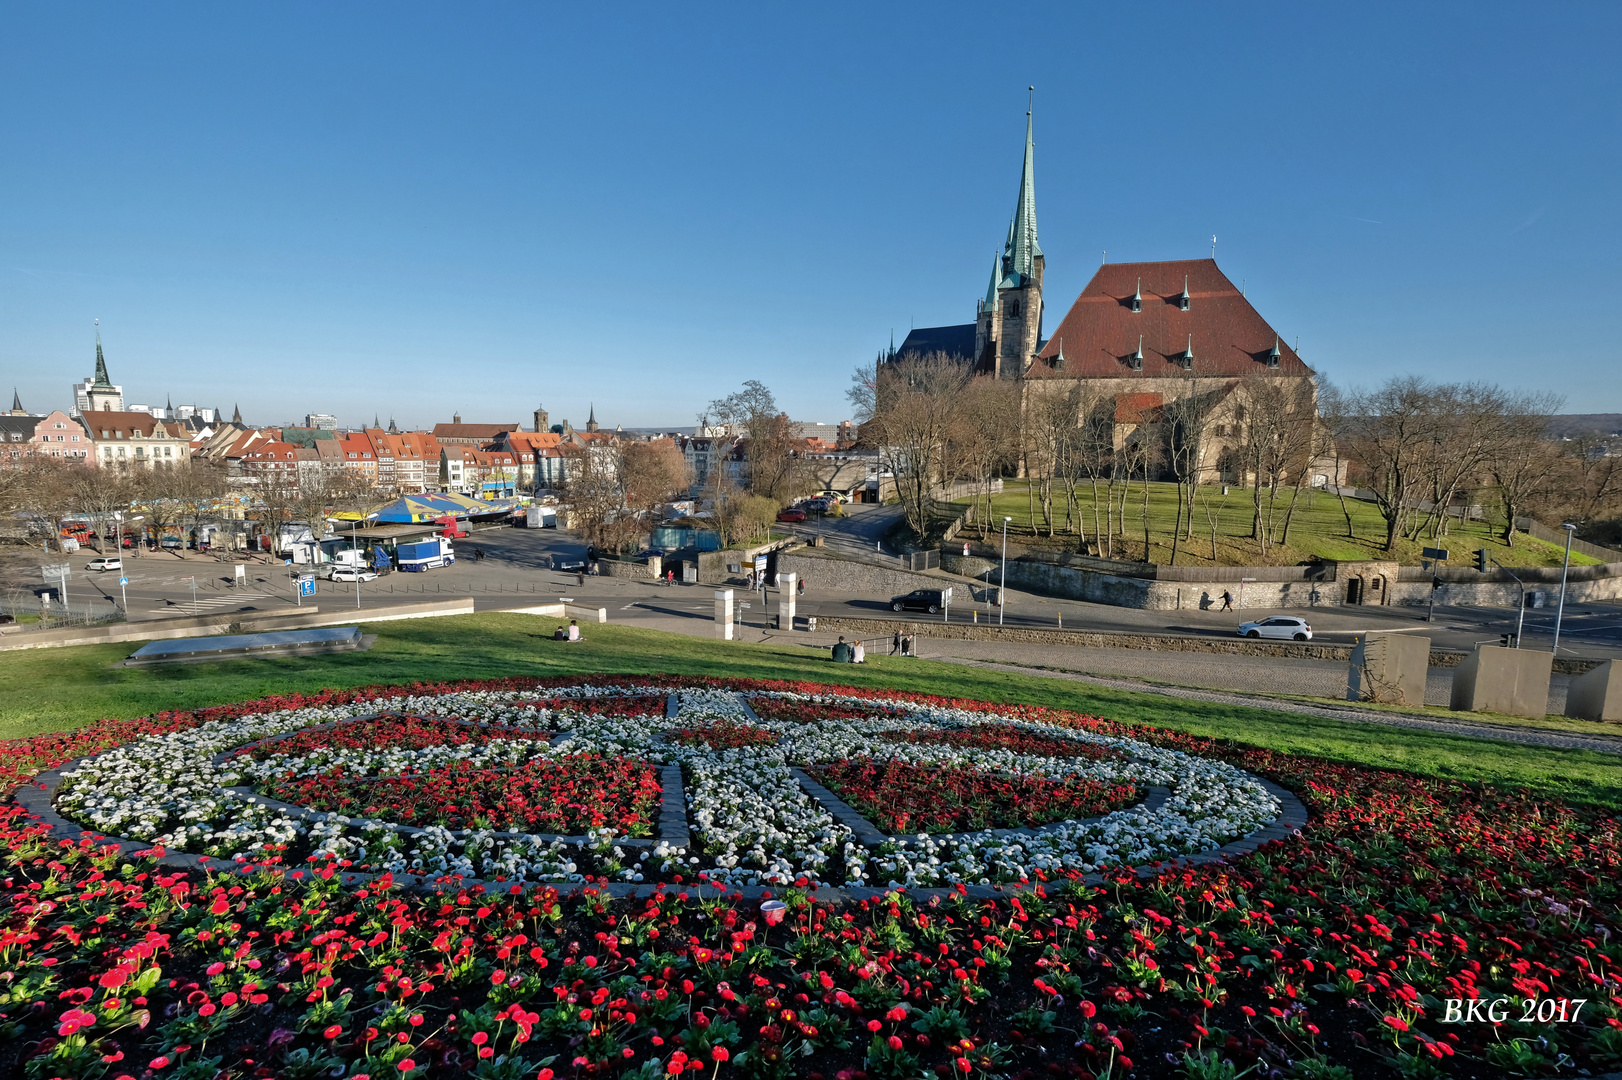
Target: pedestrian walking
(478, 554)
(895, 643)
(1227, 600)
(800, 588)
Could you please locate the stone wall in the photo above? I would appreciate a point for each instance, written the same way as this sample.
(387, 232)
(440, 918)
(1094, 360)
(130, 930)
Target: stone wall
(828, 573)
(1078, 583)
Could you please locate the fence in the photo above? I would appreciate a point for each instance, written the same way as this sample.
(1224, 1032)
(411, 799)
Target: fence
(1540, 531)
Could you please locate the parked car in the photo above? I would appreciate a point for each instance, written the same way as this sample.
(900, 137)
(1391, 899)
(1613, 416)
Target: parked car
(929, 600)
(568, 565)
(1286, 627)
(171, 542)
(105, 563)
(352, 573)
(815, 506)
(792, 514)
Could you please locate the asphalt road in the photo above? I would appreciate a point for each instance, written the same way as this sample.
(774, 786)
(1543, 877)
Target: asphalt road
(514, 570)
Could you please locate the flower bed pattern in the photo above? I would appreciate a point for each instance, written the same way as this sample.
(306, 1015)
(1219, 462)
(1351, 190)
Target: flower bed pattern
(570, 795)
(899, 797)
(1330, 955)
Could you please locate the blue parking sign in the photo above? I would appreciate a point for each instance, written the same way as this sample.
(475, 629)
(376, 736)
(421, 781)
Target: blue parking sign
(306, 586)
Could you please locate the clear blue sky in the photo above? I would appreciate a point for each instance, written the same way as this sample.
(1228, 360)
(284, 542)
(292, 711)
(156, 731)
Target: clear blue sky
(413, 209)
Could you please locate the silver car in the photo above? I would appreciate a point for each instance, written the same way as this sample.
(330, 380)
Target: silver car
(1285, 627)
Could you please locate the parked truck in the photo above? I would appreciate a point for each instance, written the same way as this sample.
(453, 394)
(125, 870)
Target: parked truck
(425, 555)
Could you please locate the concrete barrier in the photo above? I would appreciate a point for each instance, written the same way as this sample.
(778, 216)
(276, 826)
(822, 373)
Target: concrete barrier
(1510, 681)
(1597, 695)
(1389, 668)
(252, 621)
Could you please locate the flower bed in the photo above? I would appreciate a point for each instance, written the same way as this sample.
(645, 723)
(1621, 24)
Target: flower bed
(899, 797)
(1330, 955)
(724, 735)
(567, 795)
(1007, 737)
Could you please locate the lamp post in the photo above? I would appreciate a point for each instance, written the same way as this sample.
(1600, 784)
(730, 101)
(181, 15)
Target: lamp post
(1561, 609)
(1002, 584)
(354, 541)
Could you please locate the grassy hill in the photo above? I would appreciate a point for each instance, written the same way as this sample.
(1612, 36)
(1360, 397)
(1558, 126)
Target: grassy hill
(1317, 531)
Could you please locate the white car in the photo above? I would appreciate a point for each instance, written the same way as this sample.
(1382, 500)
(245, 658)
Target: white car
(110, 563)
(351, 573)
(1286, 627)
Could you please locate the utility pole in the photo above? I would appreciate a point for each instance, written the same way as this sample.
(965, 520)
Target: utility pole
(1002, 586)
(1560, 611)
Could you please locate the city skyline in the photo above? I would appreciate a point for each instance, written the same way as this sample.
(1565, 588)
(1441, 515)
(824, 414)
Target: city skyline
(428, 215)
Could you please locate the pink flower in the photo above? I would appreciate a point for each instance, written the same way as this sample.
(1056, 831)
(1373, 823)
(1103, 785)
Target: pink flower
(719, 1054)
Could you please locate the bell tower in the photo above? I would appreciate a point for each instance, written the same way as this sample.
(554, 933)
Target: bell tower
(1014, 326)
(540, 419)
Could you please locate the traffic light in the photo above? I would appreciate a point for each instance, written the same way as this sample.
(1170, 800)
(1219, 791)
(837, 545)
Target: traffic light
(1507, 640)
(1481, 560)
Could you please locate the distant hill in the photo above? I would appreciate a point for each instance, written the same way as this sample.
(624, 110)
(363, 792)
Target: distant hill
(1585, 423)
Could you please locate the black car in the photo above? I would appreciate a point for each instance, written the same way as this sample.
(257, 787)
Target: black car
(930, 600)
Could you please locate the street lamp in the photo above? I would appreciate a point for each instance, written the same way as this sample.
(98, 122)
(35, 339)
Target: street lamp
(1002, 585)
(1561, 609)
(354, 541)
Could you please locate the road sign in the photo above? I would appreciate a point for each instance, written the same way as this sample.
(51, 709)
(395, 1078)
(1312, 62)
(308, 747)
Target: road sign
(55, 571)
(123, 581)
(1439, 554)
(306, 585)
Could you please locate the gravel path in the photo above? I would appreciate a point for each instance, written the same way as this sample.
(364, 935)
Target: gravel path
(1609, 744)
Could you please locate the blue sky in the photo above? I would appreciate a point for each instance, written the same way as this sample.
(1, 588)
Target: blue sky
(419, 209)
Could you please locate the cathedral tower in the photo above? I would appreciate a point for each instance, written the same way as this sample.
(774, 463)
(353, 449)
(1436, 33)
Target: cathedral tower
(1008, 322)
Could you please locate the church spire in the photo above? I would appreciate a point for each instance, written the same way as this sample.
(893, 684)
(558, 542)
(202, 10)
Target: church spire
(1022, 246)
(991, 289)
(16, 404)
(236, 414)
(101, 366)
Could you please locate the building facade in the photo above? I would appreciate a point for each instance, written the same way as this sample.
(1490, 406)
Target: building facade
(134, 439)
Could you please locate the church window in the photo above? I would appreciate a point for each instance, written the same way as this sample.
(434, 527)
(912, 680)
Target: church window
(1013, 309)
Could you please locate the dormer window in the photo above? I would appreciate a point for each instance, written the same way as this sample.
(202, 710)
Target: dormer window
(1184, 300)
(1135, 361)
(1273, 354)
(1186, 361)
(1137, 296)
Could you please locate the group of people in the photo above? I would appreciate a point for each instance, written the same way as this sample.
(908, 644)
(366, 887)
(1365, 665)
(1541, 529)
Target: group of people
(572, 633)
(848, 652)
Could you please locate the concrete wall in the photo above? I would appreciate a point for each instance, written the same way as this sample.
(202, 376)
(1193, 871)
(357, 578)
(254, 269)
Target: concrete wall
(1597, 695)
(1390, 668)
(1510, 681)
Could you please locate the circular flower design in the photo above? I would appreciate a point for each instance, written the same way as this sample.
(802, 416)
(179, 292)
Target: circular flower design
(502, 785)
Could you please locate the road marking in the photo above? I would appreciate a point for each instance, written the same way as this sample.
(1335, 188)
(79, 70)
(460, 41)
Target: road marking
(629, 606)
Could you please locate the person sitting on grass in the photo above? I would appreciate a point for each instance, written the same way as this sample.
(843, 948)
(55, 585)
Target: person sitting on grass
(842, 652)
(858, 654)
(559, 635)
(574, 630)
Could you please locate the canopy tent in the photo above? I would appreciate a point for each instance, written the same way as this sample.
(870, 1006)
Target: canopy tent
(417, 508)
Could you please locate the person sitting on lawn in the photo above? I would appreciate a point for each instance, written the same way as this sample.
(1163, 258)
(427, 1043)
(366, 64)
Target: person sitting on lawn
(574, 630)
(858, 654)
(842, 652)
(559, 635)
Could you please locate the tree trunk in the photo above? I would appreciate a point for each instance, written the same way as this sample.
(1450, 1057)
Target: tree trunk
(1177, 526)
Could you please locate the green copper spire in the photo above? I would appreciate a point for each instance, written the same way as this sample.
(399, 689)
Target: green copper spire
(991, 289)
(1022, 245)
(102, 381)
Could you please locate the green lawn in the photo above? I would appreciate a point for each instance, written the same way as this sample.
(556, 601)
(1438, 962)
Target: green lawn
(52, 689)
(1318, 529)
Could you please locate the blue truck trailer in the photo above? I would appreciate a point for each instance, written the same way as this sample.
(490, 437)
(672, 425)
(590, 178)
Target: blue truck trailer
(425, 555)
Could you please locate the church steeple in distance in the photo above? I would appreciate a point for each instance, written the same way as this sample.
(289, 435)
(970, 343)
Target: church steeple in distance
(1022, 246)
(102, 381)
(591, 420)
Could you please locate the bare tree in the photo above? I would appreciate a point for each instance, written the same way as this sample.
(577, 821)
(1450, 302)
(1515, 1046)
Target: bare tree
(654, 473)
(1525, 458)
(915, 407)
(101, 494)
(985, 434)
(1392, 434)
(768, 444)
(1183, 424)
(596, 496)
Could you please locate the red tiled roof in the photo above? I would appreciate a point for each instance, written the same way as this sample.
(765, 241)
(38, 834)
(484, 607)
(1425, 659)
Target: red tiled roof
(1100, 331)
(1136, 408)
